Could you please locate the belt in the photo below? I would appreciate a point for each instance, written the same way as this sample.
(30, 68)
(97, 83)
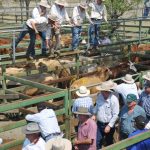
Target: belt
(52, 135)
(96, 19)
(103, 123)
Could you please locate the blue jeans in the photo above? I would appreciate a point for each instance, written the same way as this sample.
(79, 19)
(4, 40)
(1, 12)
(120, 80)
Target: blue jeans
(94, 33)
(43, 37)
(101, 135)
(76, 36)
(30, 50)
(146, 11)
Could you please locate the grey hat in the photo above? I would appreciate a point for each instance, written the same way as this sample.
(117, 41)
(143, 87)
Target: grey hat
(31, 128)
(82, 111)
(52, 17)
(44, 3)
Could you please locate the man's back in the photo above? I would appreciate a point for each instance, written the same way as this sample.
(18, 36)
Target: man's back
(47, 121)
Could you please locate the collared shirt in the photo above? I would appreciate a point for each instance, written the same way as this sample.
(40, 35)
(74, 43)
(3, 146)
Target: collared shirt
(78, 16)
(98, 11)
(40, 145)
(87, 130)
(83, 102)
(127, 121)
(60, 13)
(107, 110)
(47, 121)
(41, 23)
(143, 145)
(124, 89)
(145, 100)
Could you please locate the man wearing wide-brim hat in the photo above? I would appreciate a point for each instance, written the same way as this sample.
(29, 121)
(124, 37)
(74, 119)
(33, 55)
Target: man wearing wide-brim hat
(128, 86)
(39, 11)
(106, 113)
(33, 139)
(83, 100)
(86, 136)
(128, 114)
(78, 17)
(146, 77)
(58, 8)
(98, 13)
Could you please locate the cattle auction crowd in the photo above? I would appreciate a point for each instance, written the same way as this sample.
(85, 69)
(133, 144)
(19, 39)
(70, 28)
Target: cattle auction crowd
(97, 122)
(124, 106)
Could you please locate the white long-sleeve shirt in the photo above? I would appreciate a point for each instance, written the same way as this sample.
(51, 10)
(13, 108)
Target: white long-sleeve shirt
(60, 13)
(36, 12)
(78, 16)
(124, 89)
(107, 110)
(98, 11)
(47, 121)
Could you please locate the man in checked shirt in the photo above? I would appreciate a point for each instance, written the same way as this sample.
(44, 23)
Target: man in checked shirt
(106, 113)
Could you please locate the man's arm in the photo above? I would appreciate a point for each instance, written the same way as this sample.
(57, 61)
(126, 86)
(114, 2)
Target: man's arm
(86, 141)
(34, 117)
(33, 23)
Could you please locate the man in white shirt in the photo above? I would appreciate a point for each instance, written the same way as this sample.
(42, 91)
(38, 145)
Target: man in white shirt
(98, 13)
(146, 8)
(33, 27)
(78, 16)
(47, 121)
(33, 140)
(58, 8)
(106, 112)
(39, 11)
(128, 87)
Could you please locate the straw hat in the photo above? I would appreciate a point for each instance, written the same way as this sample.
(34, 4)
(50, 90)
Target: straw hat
(82, 111)
(147, 76)
(128, 79)
(61, 2)
(44, 3)
(52, 17)
(83, 5)
(83, 91)
(107, 86)
(31, 128)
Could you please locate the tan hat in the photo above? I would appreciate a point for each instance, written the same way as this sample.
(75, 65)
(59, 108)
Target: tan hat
(61, 2)
(83, 5)
(52, 17)
(147, 76)
(82, 111)
(44, 3)
(83, 91)
(128, 79)
(31, 128)
(107, 86)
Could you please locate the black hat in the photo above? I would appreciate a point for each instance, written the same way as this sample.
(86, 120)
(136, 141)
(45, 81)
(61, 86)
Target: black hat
(140, 122)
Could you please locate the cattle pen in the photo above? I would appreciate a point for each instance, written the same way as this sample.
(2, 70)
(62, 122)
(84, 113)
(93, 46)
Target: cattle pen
(130, 42)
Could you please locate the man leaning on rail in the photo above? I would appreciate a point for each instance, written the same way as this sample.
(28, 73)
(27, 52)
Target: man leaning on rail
(50, 130)
(33, 27)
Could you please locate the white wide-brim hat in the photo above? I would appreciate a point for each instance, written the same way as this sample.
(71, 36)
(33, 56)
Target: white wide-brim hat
(44, 3)
(52, 17)
(83, 5)
(128, 79)
(61, 2)
(107, 86)
(31, 128)
(147, 76)
(83, 91)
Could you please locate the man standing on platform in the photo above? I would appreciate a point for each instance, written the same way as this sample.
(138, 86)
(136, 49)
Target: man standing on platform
(98, 13)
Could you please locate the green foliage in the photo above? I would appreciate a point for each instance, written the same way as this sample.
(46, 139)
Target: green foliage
(117, 8)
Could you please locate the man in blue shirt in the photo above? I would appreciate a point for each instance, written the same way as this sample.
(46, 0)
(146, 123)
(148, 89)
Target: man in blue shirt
(140, 123)
(127, 115)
